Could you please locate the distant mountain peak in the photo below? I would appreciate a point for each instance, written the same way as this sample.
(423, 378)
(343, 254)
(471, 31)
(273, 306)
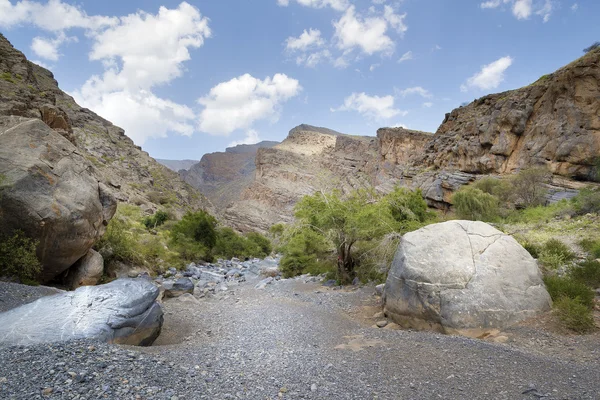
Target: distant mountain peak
(310, 128)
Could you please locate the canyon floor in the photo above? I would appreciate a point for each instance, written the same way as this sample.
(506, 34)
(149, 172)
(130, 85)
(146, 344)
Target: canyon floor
(297, 340)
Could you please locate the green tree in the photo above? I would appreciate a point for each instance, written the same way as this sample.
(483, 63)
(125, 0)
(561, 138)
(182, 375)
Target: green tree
(344, 221)
(261, 242)
(158, 219)
(200, 227)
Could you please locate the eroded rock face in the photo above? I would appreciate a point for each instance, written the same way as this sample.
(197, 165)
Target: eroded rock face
(463, 276)
(51, 193)
(553, 122)
(124, 311)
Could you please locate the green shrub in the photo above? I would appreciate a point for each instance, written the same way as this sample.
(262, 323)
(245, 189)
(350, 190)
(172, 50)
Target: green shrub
(591, 246)
(528, 186)
(587, 272)
(189, 249)
(555, 254)
(587, 201)
(294, 263)
(262, 242)
(120, 242)
(476, 205)
(534, 249)
(406, 205)
(574, 315)
(158, 219)
(559, 287)
(18, 257)
(199, 227)
(496, 187)
(6, 76)
(304, 251)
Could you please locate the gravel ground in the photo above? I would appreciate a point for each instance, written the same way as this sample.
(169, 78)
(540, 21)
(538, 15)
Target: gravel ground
(293, 341)
(13, 294)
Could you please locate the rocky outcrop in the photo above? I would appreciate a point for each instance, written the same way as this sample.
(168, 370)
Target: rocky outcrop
(223, 176)
(124, 311)
(463, 276)
(51, 193)
(554, 122)
(309, 159)
(29, 90)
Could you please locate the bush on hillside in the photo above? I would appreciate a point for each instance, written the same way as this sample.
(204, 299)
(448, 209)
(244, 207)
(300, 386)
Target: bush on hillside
(261, 242)
(120, 243)
(407, 206)
(587, 272)
(587, 202)
(555, 254)
(496, 187)
(529, 186)
(593, 47)
(18, 257)
(592, 247)
(559, 287)
(574, 315)
(473, 204)
(156, 220)
(304, 251)
(199, 227)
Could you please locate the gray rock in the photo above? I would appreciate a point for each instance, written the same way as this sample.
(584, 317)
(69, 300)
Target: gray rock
(124, 311)
(381, 324)
(356, 281)
(330, 283)
(380, 288)
(51, 193)
(263, 284)
(212, 276)
(87, 271)
(463, 276)
(178, 287)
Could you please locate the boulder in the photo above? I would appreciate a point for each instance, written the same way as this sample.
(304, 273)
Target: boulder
(463, 277)
(124, 311)
(178, 287)
(50, 192)
(87, 271)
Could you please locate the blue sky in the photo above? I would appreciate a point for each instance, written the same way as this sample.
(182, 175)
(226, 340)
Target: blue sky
(188, 78)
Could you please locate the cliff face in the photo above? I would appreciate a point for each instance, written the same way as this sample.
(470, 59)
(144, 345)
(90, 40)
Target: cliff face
(131, 174)
(177, 165)
(309, 159)
(223, 176)
(553, 122)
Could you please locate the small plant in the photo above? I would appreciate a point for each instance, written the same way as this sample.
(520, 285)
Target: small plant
(534, 249)
(6, 76)
(158, 219)
(528, 186)
(574, 315)
(476, 205)
(559, 287)
(593, 47)
(587, 201)
(554, 254)
(587, 272)
(591, 246)
(18, 257)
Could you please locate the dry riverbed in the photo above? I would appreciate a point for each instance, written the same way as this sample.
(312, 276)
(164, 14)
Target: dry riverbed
(296, 340)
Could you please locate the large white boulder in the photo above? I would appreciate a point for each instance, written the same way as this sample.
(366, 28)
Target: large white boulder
(463, 277)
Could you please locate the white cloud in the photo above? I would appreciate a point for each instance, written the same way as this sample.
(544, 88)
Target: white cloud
(140, 52)
(574, 7)
(53, 16)
(523, 9)
(428, 104)
(406, 56)
(396, 21)
(418, 90)
(308, 39)
(367, 34)
(374, 107)
(238, 103)
(338, 5)
(311, 60)
(48, 48)
(250, 138)
(490, 76)
(373, 67)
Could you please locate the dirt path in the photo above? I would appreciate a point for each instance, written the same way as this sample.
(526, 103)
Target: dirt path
(296, 340)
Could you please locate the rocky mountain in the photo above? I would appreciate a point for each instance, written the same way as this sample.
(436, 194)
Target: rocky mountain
(28, 90)
(223, 176)
(554, 122)
(176, 165)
